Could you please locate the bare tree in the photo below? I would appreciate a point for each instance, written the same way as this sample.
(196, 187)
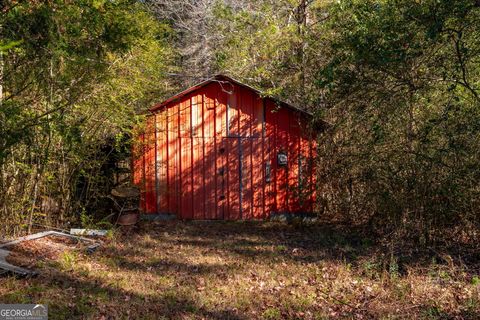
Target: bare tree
(195, 41)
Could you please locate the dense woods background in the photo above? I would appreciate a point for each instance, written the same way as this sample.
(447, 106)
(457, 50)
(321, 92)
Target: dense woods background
(399, 82)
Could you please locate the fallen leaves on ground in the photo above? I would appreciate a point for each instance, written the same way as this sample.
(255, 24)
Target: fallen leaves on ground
(226, 270)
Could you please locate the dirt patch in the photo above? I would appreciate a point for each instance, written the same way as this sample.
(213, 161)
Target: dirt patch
(29, 253)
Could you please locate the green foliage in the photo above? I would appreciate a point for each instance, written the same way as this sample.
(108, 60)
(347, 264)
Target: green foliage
(9, 45)
(271, 314)
(74, 77)
(86, 220)
(399, 83)
(68, 260)
(393, 268)
(401, 86)
(264, 44)
(397, 80)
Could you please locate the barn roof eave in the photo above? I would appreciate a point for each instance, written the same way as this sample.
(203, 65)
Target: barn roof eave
(221, 77)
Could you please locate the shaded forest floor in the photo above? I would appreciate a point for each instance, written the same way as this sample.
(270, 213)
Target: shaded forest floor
(223, 270)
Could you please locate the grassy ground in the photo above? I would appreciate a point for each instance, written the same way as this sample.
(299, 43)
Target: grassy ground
(251, 271)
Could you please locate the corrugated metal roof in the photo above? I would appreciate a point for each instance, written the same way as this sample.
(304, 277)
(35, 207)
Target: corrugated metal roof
(224, 78)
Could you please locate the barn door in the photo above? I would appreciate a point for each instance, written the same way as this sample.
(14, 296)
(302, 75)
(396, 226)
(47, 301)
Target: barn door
(240, 182)
(245, 178)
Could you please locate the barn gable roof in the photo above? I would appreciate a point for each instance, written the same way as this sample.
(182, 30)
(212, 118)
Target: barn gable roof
(222, 79)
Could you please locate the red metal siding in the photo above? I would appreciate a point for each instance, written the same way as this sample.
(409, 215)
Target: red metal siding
(149, 166)
(138, 156)
(212, 154)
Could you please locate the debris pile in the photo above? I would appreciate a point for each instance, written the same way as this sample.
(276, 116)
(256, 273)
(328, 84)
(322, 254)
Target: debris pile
(21, 255)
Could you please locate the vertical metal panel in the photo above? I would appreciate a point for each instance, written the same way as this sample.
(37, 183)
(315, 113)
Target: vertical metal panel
(209, 178)
(233, 116)
(233, 178)
(215, 157)
(172, 158)
(198, 179)
(246, 179)
(221, 181)
(270, 156)
(138, 164)
(209, 158)
(245, 108)
(162, 183)
(281, 138)
(233, 154)
(198, 170)
(258, 163)
(209, 112)
(157, 153)
(150, 172)
(186, 152)
(180, 152)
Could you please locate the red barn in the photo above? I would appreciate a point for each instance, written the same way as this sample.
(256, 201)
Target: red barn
(221, 150)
